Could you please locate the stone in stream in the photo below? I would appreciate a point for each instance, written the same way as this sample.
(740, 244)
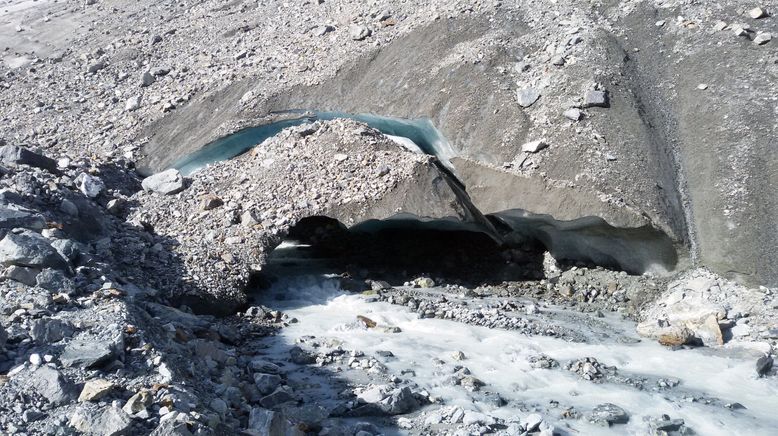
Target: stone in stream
(531, 422)
(399, 401)
(30, 249)
(279, 396)
(266, 383)
(301, 357)
(266, 422)
(763, 365)
(14, 155)
(608, 414)
(167, 182)
(527, 96)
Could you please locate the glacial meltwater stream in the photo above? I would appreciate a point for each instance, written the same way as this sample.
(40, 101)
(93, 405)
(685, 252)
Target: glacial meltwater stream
(713, 392)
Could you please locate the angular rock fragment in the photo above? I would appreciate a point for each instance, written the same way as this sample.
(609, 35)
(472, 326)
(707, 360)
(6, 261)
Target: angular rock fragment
(30, 249)
(167, 182)
(266, 383)
(22, 274)
(109, 421)
(358, 32)
(266, 422)
(527, 96)
(12, 218)
(596, 99)
(51, 385)
(763, 365)
(608, 414)
(95, 389)
(762, 38)
(87, 353)
(13, 155)
(757, 13)
(573, 114)
(534, 146)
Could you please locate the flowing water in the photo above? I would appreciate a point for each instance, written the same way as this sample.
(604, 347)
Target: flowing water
(500, 359)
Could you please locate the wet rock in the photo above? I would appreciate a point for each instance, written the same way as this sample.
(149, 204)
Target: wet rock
(543, 362)
(30, 249)
(263, 366)
(51, 385)
(369, 323)
(266, 422)
(280, 396)
(596, 99)
(95, 389)
(87, 353)
(301, 357)
(471, 383)
(109, 421)
(675, 337)
(665, 425)
(167, 182)
(458, 355)
(400, 401)
(531, 422)
(13, 155)
(266, 383)
(527, 96)
(534, 146)
(763, 365)
(608, 414)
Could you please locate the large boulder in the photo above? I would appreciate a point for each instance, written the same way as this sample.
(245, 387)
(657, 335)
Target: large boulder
(52, 385)
(30, 249)
(15, 155)
(167, 182)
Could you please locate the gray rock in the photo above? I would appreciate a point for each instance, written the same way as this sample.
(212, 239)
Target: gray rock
(266, 383)
(266, 422)
(534, 146)
(54, 281)
(22, 274)
(147, 79)
(596, 99)
(301, 357)
(68, 207)
(666, 425)
(608, 414)
(527, 96)
(574, 114)
(3, 337)
(763, 365)
(13, 155)
(30, 249)
(67, 248)
(531, 422)
(171, 427)
(95, 67)
(132, 103)
(358, 32)
(400, 401)
(757, 13)
(12, 218)
(51, 385)
(219, 406)
(263, 366)
(89, 185)
(167, 182)
(50, 330)
(109, 421)
(762, 38)
(280, 396)
(87, 353)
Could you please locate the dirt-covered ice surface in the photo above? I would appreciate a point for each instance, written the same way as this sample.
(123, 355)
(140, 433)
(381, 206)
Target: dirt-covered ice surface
(445, 360)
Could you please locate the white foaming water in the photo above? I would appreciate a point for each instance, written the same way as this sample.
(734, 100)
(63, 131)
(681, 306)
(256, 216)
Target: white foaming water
(499, 358)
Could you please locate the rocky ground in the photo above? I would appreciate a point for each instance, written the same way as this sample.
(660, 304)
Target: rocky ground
(125, 301)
